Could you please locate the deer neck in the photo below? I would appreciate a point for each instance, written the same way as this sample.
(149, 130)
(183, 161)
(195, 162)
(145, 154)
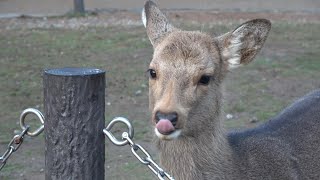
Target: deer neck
(205, 156)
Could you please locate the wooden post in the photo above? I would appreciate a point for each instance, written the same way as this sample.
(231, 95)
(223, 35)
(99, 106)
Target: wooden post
(74, 103)
(79, 6)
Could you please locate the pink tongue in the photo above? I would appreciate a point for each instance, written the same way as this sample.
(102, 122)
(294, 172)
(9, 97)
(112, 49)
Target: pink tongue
(164, 126)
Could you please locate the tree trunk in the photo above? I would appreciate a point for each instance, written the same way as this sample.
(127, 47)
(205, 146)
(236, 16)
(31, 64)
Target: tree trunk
(74, 102)
(78, 6)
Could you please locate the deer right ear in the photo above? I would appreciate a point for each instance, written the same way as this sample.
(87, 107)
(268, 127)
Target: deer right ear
(243, 44)
(155, 22)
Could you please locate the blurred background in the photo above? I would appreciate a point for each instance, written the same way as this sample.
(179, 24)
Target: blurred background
(41, 34)
(59, 7)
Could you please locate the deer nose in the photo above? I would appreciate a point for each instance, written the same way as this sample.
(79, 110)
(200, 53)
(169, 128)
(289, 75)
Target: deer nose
(172, 117)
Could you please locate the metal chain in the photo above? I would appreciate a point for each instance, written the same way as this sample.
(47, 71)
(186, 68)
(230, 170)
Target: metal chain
(17, 140)
(127, 139)
(13, 146)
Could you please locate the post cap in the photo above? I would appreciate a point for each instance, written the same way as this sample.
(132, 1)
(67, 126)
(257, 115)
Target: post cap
(71, 71)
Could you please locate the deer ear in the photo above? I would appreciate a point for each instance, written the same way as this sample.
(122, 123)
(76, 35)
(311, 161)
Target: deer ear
(243, 44)
(155, 22)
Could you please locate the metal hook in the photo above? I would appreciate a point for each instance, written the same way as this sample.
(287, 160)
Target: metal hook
(23, 118)
(110, 135)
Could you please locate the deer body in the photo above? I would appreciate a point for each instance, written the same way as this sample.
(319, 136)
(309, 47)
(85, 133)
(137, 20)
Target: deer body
(286, 147)
(185, 98)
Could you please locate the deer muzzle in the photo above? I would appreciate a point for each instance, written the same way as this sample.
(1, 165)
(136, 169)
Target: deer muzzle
(166, 122)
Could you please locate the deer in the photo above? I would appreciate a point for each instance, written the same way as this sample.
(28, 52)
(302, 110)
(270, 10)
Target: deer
(186, 76)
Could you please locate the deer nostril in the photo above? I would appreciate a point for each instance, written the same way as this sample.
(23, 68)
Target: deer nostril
(172, 117)
(158, 114)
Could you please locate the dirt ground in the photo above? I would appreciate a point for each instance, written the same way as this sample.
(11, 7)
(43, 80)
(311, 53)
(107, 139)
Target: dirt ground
(28, 162)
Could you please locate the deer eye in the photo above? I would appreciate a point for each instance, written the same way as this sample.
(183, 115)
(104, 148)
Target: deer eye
(152, 73)
(204, 80)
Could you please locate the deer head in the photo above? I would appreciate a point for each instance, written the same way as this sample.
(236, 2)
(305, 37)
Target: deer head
(187, 70)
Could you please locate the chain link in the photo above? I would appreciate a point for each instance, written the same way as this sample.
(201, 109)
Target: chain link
(127, 139)
(17, 140)
(12, 147)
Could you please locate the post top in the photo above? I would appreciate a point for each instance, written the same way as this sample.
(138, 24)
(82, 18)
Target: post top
(70, 71)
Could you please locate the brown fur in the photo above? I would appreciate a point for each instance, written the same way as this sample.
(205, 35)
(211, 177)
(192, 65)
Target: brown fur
(204, 150)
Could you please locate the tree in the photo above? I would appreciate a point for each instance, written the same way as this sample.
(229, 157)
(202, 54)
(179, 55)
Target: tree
(78, 6)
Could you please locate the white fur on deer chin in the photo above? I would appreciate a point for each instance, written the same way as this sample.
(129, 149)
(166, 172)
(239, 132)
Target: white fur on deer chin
(174, 135)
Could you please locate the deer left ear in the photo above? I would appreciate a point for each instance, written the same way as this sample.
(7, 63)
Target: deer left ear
(155, 22)
(243, 44)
